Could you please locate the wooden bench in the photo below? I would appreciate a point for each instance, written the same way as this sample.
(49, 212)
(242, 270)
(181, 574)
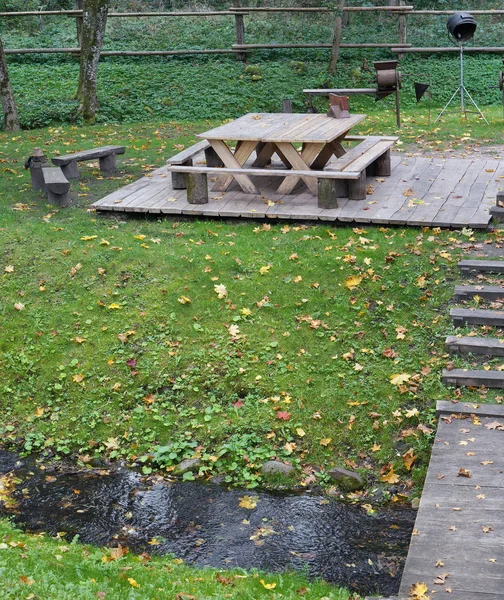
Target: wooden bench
(106, 155)
(56, 186)
(346, 177)
(185, 159)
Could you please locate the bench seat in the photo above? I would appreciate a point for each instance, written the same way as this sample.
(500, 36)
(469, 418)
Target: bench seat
(346, 177)
(185, 159)
(105, 154)
(56, 186)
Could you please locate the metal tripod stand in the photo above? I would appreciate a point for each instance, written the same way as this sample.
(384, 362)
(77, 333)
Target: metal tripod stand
(463, 91)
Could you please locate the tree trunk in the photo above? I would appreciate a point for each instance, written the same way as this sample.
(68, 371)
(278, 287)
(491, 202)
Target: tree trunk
(336, 42)
(94, 23)
(11, 121)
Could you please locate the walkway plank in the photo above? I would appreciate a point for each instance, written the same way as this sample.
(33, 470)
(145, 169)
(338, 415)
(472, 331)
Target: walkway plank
(468, 267)
(462, 377)
(447, 191)
(475, 345)
(490, 292)
(457, 548)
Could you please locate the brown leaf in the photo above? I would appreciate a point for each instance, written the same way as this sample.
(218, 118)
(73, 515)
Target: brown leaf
(408, 459)
(464, 473)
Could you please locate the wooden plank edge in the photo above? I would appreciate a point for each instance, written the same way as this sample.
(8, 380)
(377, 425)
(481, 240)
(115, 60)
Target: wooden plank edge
(444, 407)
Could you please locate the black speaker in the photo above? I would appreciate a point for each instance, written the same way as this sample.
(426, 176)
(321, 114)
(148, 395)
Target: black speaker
(461, 26)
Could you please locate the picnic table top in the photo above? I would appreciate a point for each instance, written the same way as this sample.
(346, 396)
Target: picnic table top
(283, 127)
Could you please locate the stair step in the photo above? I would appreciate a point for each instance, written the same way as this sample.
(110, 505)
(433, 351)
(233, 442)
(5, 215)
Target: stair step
(461, 377)
(461, 316)
(490, 292)
(475, 345)
(481, 266)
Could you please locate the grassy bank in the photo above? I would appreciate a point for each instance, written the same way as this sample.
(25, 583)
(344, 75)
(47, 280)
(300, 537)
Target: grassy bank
(38, 567)
(160, 340)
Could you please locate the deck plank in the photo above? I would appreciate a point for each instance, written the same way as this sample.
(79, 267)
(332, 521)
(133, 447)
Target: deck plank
(460, 522)
(451, 192)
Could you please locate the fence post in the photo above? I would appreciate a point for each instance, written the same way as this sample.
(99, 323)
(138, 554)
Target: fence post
(402, 29)
(240, 32)
(79, 5)
(336, 43)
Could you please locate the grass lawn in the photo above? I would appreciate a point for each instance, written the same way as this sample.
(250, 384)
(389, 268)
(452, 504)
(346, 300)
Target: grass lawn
(36, 567)
(154, 341)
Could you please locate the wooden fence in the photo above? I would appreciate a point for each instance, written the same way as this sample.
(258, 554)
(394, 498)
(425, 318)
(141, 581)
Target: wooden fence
(241, 47)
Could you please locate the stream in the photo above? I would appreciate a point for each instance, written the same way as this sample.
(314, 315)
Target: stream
(204, 524)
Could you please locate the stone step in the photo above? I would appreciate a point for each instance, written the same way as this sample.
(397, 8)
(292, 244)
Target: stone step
(461, 377)
(475, 345)
(490, 292)
(463, 316)
(481, 266)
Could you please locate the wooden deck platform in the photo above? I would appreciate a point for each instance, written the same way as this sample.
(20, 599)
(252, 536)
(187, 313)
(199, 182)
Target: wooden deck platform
(421, 191)
(457, 546)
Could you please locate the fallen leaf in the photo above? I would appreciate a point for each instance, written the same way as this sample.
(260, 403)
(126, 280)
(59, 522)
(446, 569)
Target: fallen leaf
(408, 459)
(268, 586)
(249, 502)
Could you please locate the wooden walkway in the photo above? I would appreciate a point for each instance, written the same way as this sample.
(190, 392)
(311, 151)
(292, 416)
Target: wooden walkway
(457, 546)
(420, 192)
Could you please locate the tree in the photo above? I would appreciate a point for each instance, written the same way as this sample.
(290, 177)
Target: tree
(11, 121)
(94, 23)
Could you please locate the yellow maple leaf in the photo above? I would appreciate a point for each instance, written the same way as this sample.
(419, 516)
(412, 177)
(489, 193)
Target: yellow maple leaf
(268, 586)
(375, 447)
(78, 378)
(131, 581)
(264, 269)
(104, 242)
(9, 269)
(390, 477)
(300, 432)
(408, 459)
(19, 306)
(246, 312)
(233, 330)
(88, 238)
(139, 237)
(79, 340)
(220, 290)
(114, 306)
(325, 441)
(352, 282)
(184, 300)
(39, 412)
(399, 379)
(418, 591)
(249, 502)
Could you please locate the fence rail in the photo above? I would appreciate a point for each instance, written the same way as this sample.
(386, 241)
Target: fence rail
(240, 48)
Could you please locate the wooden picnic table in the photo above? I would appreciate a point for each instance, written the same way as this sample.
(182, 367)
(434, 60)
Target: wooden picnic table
(276, 133)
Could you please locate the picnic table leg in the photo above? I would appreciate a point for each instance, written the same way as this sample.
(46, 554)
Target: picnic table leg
(326, 154)
(264, 153)
(235, 161)
(300, 162)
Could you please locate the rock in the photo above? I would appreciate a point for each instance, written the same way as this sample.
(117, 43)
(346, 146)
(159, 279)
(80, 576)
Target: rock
(415, 503)
(347, 480)
(189, 464)
(275, 467)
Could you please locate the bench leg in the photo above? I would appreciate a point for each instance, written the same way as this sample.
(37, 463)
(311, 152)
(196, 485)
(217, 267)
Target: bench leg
(71, 171)
(357, 187)
(60, 200)
(328, 192)
(108, 163)
(212, 158)
(179, 181)
(382, 166)
(197, 188)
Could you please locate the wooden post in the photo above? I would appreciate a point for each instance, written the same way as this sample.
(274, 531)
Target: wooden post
(240, 32)
(402, 30)
(197, 188)
(79, 5)
(336, 42)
